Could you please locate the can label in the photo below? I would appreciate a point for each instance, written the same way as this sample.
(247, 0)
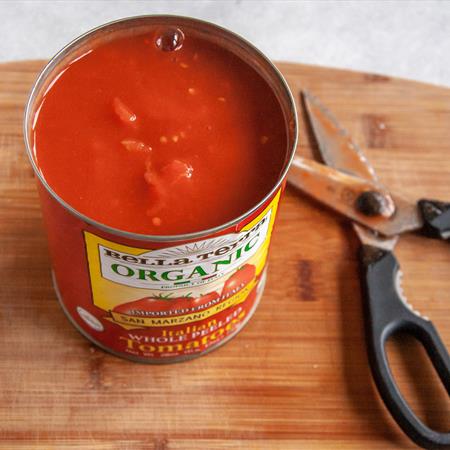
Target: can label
(182, 299)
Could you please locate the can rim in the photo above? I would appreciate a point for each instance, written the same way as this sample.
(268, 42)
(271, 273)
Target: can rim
(140, 236)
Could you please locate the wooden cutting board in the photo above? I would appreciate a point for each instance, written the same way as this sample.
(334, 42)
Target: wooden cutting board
(297, 377)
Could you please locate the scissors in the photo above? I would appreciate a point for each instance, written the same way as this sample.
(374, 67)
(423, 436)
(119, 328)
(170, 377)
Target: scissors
(348, 184)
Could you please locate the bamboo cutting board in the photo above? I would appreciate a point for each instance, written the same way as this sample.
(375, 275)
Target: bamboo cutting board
(297, 377)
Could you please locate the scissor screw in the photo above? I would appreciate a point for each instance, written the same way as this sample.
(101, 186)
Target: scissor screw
(372, 203)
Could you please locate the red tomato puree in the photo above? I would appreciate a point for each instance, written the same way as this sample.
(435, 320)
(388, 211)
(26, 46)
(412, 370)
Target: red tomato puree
(158, 140)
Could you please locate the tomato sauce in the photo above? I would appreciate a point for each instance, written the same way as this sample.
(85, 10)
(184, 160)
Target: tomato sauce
(160, 134)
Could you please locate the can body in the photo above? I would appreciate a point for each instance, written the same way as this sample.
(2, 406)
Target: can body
(159, 299)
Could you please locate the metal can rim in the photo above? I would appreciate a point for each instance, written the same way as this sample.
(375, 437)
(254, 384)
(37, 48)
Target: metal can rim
(147, 237)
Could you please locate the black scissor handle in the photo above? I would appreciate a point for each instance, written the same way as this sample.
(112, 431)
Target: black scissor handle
(386, 314)
(436, 216)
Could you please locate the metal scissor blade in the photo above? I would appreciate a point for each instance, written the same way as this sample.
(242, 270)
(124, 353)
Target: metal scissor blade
(335, 144)
(341, 191)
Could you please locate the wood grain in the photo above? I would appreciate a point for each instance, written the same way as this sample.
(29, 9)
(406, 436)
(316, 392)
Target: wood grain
(297, 377)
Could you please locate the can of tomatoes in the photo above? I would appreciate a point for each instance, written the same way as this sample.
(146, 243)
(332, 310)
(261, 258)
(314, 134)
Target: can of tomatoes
(166, 266)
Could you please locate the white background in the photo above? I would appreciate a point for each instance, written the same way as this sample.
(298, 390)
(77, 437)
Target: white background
(410, 39)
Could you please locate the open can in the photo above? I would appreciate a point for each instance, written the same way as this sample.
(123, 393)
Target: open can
(199, 289)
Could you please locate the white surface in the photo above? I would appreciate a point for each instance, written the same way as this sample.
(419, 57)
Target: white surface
(410, 39)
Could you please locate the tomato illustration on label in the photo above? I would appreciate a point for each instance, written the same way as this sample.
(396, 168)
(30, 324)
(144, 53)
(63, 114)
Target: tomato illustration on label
(166, 306)
(241, 278)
